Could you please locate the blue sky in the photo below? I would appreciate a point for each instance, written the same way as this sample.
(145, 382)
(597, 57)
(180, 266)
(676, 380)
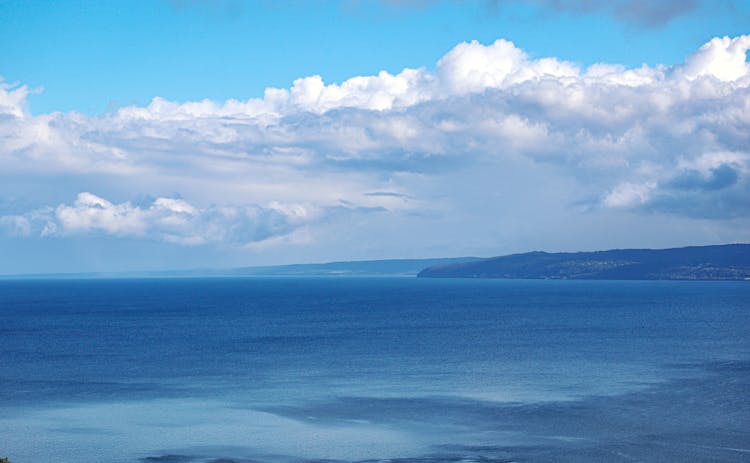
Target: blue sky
(93, 56)
(187, 133)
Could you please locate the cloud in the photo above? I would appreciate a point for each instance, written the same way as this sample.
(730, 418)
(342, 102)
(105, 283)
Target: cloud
(663, 139)
(723, 57)
(164, 219)
(13, 99)
(629, 195)
(15, 225)
(714, 185)
(717, 178)
(174, 220)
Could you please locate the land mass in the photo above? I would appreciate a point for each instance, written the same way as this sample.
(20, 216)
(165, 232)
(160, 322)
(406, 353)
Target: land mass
(404, 267)
(386, 267)
(722, 262)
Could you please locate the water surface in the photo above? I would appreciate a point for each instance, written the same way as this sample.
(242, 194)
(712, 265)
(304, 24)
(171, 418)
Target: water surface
(353, 369)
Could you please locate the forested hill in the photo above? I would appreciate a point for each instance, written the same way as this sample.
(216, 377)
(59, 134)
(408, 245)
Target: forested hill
(722, 262)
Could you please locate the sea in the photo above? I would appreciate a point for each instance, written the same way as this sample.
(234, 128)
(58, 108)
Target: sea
(356, 369)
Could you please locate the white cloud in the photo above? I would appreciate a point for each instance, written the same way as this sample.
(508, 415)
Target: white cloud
(637, 139)
(90, 212)
(723, 57)
(13, 99)
(165, 219)
(629, 195)
(472, 67)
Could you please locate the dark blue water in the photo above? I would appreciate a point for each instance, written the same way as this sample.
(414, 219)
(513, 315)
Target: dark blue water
(288, 369)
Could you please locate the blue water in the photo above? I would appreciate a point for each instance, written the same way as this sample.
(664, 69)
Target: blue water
(355, 369)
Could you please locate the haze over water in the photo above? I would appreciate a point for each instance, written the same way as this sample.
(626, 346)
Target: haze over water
(352, 369)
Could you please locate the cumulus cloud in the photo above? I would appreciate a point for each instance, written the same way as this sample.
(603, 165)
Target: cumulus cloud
(171, 220)
(666, 139)
(724, 58)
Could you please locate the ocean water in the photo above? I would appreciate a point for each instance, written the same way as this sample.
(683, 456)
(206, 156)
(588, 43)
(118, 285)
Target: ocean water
(373, 369)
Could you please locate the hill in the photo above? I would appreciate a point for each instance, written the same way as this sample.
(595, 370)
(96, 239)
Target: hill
(722, 262)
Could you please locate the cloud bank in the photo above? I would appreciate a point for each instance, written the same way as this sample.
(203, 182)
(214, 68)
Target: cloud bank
(667, 140)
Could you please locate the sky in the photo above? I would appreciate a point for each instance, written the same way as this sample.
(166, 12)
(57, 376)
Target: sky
(175, 134)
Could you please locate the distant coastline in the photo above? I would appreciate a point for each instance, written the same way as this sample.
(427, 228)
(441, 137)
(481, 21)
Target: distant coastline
(383, 267)
(720, 262)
